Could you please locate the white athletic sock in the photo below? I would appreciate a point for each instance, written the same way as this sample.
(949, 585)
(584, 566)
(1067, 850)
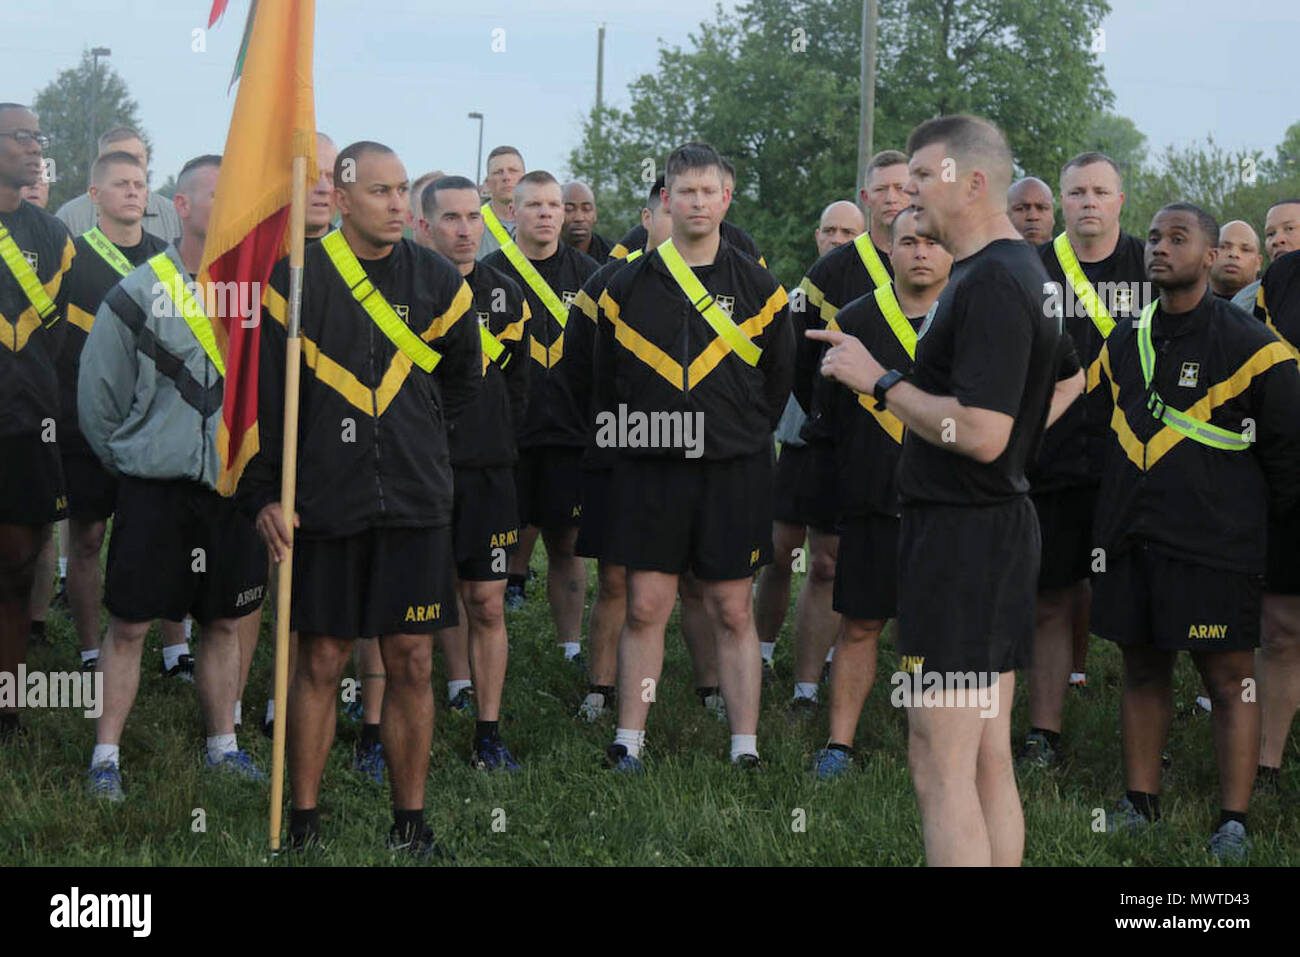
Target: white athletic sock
(88, 656)
(571, 649)
(189, 630)
(634, 741)
(455, 687)
(239, 712)
(172, 654)
(1077, 676)
(767, 649)
(106, 754)
(270, 710)
(744, 744)
(63, 568)
(219, 745)
(806, 689)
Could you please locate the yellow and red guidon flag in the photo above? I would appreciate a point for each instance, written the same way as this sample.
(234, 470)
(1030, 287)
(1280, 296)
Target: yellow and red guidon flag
(274, 121)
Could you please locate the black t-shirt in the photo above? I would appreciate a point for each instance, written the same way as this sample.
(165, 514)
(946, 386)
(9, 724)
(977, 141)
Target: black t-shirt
(994, 342)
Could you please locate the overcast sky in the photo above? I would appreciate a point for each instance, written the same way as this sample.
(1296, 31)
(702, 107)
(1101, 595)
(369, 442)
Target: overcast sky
(406, 72)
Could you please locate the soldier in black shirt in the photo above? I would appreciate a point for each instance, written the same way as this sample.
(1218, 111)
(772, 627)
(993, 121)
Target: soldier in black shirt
(987, 381)
(485, 526)
(1099, 278)
(866, 443)
(33, 300)
(551, 437)
(105, 253)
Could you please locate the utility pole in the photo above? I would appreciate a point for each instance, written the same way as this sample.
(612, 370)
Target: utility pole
(600, 102)
(478, 164)
(95, 54)
(867, 94)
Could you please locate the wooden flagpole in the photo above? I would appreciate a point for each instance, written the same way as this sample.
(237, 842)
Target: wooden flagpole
(288, 488)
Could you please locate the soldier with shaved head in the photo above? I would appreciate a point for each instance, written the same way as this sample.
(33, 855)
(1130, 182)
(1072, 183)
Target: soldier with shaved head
(580, 220)
(391, 357)
(1029, 204)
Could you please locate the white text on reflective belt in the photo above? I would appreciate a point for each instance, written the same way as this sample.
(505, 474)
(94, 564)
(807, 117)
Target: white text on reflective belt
(107, 251)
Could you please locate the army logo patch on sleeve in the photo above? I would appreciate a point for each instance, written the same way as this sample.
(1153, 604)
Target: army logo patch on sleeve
(1190, 374)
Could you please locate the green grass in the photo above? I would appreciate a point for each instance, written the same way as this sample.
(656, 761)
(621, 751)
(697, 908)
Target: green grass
(690, 808)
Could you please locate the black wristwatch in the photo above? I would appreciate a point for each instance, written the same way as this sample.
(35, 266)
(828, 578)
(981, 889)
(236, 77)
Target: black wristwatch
(884, 384)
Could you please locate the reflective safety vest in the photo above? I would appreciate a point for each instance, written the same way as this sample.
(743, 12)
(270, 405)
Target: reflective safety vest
(107, 251)
(1185, 425)
(376, 306)
(704, 302)
(871, 259)
(190, 309)
(634, 255)
(1083, 289)
(22, 271)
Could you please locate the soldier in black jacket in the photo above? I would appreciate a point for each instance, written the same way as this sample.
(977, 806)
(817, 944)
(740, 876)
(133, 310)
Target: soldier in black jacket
(483, 454)
(390, 355)
(548, 476)
(694, 358)
(1277, 304)
(1205, 440)
(32, 303)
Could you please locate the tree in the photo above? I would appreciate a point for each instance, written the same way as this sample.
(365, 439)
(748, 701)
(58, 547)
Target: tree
(774, 86)
(1118, 138)
(64, 110)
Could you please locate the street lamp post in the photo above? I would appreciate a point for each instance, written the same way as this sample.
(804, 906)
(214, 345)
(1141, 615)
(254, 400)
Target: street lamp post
(95, 54)
(478, 165)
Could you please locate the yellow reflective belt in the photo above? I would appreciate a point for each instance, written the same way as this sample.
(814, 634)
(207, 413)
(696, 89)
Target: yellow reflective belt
(192, 312)
(494, 225)
(25, 275)
(528, 272)
(893, 313)
(634, 254)
(492, 347)
(1082, 287)
(1193, 428)
(708, 307)
(871, 259)
(374, 303)
(107, 251)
